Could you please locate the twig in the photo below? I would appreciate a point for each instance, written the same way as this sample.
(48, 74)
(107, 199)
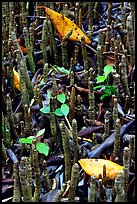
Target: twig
(39, 17)
(104, 29)
(111, 52)
(68, 123)
(91, 48)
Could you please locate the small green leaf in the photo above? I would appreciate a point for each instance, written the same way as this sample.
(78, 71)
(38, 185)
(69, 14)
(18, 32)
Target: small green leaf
(45, 109)
(30, 137)
(58, 112)
(65, 109)
(101, 78)
(62, 70)
(107, 69)
(42, 148)
(98, 87)
(41, 132)
(113, 89)
(26, 140)
(61, 98)
(108, 91)
(104, 95)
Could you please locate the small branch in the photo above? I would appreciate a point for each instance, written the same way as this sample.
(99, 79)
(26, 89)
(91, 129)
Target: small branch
(111, 52)
(68, 123)
(91, 48)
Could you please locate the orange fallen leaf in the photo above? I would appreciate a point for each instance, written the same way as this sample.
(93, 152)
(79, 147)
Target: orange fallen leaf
(19, 41)
(94, 167)
(24, 49)
(16, 79)
(64, 25)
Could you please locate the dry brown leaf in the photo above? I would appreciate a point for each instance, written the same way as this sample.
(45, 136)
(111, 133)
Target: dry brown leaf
(109, 59)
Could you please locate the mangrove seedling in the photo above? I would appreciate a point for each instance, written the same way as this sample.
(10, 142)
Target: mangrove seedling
(106, 88)
(62, 111)
(59, 70)
(40, 146)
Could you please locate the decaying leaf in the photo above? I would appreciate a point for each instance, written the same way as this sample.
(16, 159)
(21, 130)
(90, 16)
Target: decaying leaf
(94, 167)
(16, 79)
(109, 58)
(64, 25)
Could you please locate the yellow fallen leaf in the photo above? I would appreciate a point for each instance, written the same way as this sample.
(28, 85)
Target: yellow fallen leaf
(64, 25)
(94, 167)
(16, 79)
(86, 139)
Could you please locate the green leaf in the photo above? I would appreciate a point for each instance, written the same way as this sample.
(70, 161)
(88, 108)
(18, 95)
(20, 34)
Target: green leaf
(107, 69)
(26, 140)
(58, 112)
(65, 109)
(30, 137)
(62, 70)
(101, 78)
(98, 87)
(108, 91)
(113, 89)
(61, 98)
(45, 109)
(42, 148)
(104, 95)
(41, 132)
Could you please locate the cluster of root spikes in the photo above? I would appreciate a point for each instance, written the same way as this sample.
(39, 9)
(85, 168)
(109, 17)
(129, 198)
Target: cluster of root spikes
(68, 101)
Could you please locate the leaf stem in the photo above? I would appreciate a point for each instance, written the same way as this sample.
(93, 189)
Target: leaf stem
(107, 81)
